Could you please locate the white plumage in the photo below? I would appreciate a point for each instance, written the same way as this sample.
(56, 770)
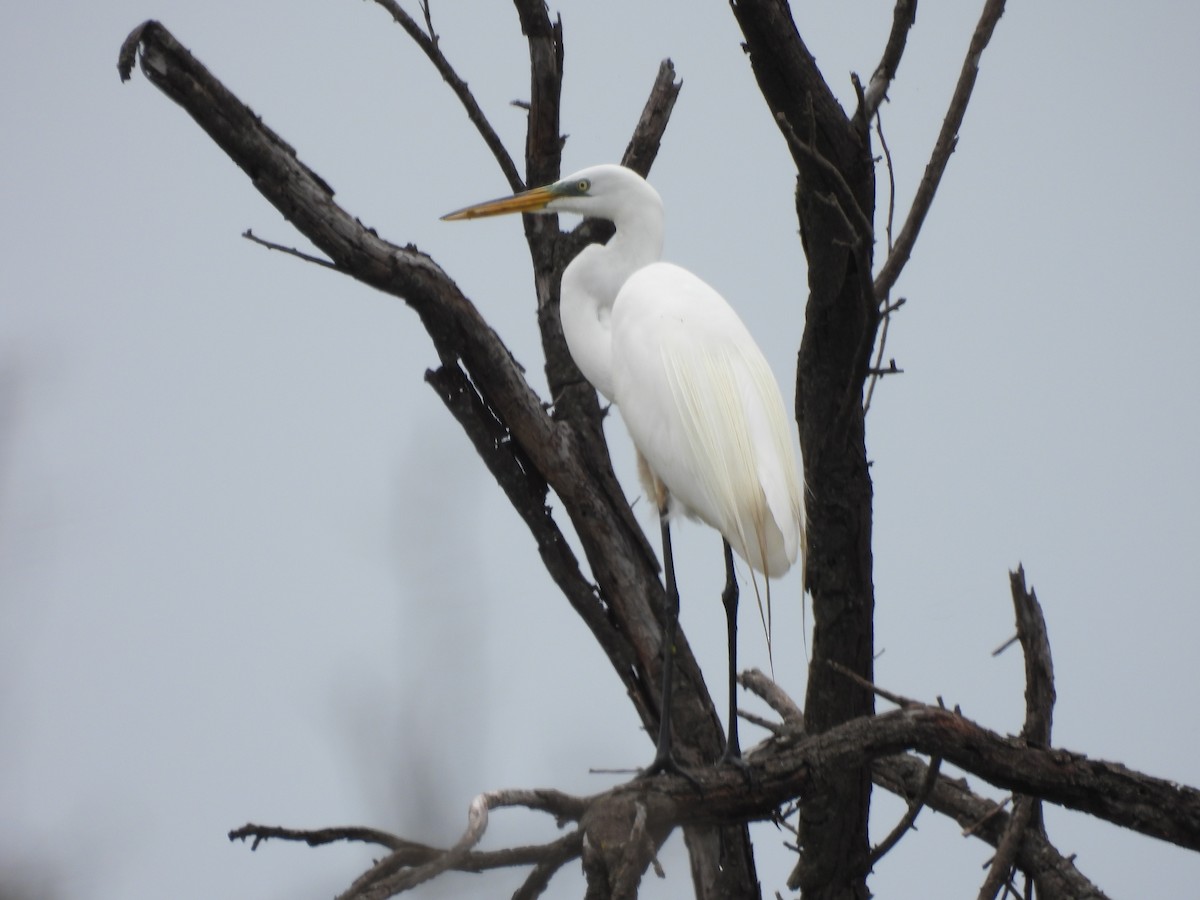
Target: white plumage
(703, 409)
(694, 390)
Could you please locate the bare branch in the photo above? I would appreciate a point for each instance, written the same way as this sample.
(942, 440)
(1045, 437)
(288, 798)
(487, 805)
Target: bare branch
(1001, 868)
(1039, 714)
(888, 308)
(291, 251)
(903, 18)
(526, 489)
(555, 857)
(1056, 874)
(862, 230)
(762, 722)
(639, 155)
(1039, 667)
(372, 886)
(543, 137)
(915, 804)
(907, 776)
(946, 141)
(757, 682)
(429, 45)
(876, 372)
(899, 700)
(320, 836)
(652, 124)
(429, 22)
(891, 172)
(529, 452)
(477, 821)
(407, 854)
(784, 768)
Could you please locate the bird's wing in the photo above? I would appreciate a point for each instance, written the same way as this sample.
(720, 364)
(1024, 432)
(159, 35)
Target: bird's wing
(703, 408)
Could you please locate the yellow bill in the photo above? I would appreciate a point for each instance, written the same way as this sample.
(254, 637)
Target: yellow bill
(526, 201)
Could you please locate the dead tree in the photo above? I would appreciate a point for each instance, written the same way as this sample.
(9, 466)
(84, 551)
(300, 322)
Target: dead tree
(821, 763)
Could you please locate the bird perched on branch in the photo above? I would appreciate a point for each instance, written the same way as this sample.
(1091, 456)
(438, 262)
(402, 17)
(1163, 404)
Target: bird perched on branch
(696, 394)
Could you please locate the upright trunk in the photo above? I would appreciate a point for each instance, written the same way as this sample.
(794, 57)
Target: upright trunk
(834, 201)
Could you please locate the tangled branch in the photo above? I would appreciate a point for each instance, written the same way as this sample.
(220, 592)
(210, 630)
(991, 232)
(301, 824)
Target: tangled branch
(531, 452)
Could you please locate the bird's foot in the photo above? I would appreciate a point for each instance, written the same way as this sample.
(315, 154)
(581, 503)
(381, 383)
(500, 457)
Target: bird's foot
(665, 764)
(736, 760)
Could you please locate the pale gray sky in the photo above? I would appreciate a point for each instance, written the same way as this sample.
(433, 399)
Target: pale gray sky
(250, 570)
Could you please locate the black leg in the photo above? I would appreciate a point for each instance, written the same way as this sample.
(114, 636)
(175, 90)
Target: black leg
(663, 760)
(663, 753)
(729, 597)
(664, 729)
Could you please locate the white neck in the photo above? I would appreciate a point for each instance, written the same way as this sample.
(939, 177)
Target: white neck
(591, 283)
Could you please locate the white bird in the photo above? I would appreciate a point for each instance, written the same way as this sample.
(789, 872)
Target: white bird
(694, 390)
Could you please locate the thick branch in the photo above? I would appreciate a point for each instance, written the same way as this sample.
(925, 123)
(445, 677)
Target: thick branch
(1109, 791)
(652, 124)
(527, 491)
(1039, 666)
(1039, 713)
(481, 382)
(625, 571)
(1056, 874)
(786, 768)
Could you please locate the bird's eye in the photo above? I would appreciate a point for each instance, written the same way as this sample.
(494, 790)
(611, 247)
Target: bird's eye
(583, 186)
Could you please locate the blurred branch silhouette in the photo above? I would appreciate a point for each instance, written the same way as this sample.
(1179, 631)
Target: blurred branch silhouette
(823, 756)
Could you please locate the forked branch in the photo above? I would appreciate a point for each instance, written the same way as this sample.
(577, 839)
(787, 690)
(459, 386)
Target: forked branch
(530, 452)
(947, 140)
(904, 16)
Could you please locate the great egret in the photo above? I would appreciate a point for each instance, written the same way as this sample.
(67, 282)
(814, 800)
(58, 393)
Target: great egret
(695, 391)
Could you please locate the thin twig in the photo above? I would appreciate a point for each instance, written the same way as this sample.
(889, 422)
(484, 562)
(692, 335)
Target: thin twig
(430, 46)
(433, 36)
(891, 171)
(291, 251)
(762, 722)
(915, 805)
(946, 140)
(899, 700)
(844, 196)
(993, 811)
(875, 370)
(890, 369)
(1012, 640)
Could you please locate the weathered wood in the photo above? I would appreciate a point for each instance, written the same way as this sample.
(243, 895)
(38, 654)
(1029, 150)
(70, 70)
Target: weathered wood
(833, 159)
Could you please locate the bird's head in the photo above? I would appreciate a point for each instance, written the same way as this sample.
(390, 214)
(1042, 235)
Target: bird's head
(603, 192)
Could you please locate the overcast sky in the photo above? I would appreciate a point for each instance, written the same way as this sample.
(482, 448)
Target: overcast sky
(250, 569)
